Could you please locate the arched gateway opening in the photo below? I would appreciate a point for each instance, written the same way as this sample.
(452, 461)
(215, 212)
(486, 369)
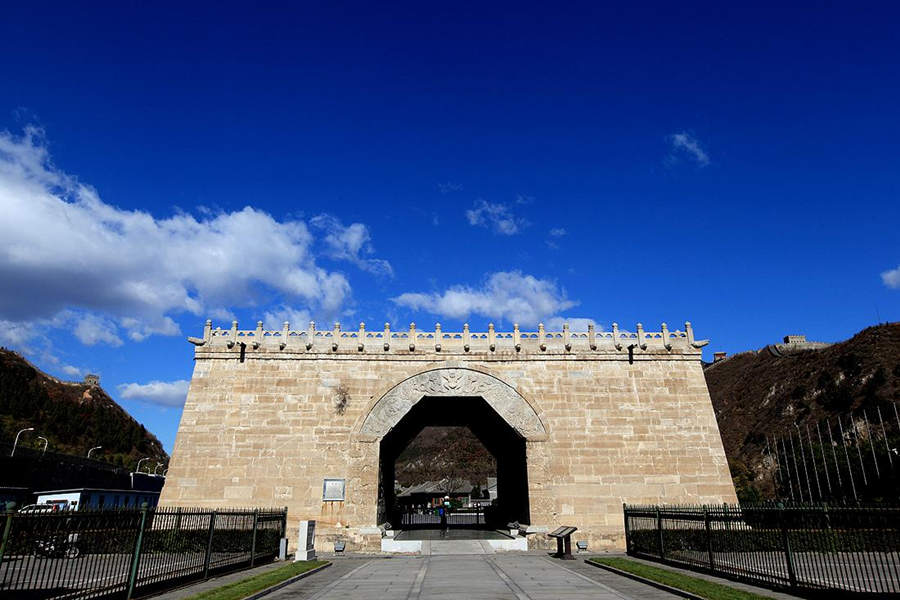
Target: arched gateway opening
(501, 441)
(493, 411)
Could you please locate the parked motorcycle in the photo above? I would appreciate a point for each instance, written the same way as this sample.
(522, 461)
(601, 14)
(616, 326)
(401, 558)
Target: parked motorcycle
(58, 547)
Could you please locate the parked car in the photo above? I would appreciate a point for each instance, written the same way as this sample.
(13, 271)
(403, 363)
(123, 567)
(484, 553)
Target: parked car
(39, 508)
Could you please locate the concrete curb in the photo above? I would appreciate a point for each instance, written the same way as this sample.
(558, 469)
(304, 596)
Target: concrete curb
(286, 582)
(650, 582)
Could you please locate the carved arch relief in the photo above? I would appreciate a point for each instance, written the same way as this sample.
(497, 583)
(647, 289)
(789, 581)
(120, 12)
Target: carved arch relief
(505, 400)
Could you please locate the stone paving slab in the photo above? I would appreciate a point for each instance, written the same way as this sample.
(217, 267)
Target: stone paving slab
(467, 577)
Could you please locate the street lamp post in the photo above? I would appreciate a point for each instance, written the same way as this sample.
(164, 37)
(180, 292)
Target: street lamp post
(16, 442)
(138, 468)
(92, 449)
(46, 443)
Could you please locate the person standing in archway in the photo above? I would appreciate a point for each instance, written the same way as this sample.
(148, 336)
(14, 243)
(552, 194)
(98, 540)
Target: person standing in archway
(445, 514)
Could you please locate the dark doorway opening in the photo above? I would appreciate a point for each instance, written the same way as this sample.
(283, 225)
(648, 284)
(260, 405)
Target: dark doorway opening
(498, 437)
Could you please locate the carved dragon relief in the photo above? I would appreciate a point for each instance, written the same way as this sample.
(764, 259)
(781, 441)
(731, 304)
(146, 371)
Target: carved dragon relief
(452, 382)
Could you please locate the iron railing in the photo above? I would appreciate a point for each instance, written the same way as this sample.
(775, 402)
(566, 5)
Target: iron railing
(122, 554)
(466, 518)
(813, 548)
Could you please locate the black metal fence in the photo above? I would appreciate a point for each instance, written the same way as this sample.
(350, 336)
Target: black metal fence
(852, 550)
(129, 553)
(461, 518)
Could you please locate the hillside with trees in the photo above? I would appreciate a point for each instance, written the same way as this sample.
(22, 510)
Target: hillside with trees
(74, 417)
(439, 453)
(824, 401)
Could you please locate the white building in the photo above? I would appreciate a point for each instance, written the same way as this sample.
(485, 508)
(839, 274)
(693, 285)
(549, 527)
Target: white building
(96, 498)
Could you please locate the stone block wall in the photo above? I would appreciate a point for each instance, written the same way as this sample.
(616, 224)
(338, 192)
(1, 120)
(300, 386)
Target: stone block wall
(262, 427)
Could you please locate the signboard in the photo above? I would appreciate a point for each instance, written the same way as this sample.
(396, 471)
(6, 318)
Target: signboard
(333, 490)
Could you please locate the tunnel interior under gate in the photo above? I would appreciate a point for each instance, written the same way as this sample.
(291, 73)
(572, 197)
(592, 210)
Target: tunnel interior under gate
(502, 441)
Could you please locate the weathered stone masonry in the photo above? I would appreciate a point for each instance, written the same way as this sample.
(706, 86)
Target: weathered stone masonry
(608, 417)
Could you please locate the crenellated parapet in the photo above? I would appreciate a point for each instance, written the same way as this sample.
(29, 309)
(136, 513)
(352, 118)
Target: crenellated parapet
(437, 341)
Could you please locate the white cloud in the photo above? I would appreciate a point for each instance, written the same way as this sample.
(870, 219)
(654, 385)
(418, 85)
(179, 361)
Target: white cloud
(891, 278)
(575, 323)
(558, 232)
(17, 335)
(162, 393)
(449, 186)
(62, 249)
(92, 329)
(71, 371)
(352, 243)
(684, 144)
(496, 216)
(298, 319)
(505, 296)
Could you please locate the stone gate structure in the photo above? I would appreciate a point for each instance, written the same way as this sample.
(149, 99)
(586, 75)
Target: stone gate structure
(298, 418)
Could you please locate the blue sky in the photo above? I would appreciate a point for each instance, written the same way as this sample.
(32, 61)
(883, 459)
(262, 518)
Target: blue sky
(161, 165)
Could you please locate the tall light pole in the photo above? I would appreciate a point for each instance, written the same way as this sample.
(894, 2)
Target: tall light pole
(138, 468)
(92, 449)
(46, 443)
(16, 442)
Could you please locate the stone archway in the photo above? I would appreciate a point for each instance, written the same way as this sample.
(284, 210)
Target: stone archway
(453, 381)
(514, 422)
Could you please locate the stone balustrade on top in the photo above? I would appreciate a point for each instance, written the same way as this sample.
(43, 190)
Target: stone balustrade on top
(413, 340)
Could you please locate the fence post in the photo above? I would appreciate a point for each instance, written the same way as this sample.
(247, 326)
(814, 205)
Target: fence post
(212, 529)
(253, 543)
(627, 529)
(659, 535)
(709, 552)
(788, 555)
(10, 511)
(136, 557)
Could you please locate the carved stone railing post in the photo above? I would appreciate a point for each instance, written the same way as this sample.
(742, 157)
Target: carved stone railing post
(258, 338)
(232, 340)
(310, 335)
(667, 344)
(690, 337)
(641, 342)
(562, 341)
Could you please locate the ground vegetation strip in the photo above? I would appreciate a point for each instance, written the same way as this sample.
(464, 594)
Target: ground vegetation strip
(245, 587)
(694, 585)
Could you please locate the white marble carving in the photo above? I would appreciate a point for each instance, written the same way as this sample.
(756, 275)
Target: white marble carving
(453, 382)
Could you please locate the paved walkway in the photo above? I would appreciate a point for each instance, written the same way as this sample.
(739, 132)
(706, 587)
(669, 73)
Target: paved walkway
(496, 577)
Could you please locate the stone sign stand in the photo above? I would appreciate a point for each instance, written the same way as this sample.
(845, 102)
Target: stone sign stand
(306, 541)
